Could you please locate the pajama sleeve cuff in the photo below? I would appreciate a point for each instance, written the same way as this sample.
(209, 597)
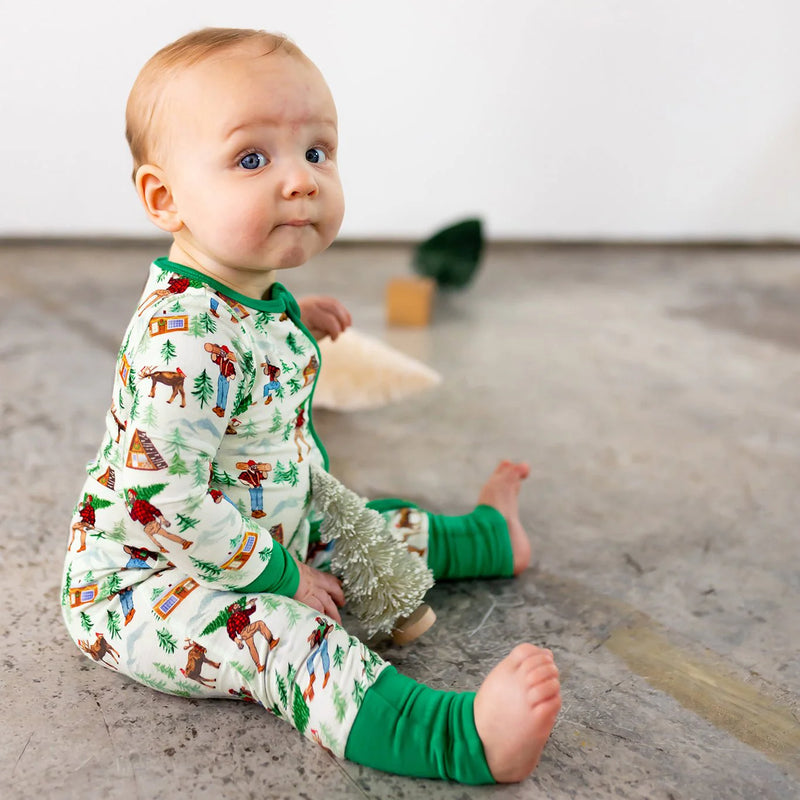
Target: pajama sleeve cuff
(281, 576)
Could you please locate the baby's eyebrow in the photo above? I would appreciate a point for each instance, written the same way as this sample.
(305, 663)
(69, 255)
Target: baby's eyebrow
(272, 122)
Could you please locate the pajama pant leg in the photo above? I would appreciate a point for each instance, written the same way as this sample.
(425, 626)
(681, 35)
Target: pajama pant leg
(178, 640)
(406, 727)
(475, 545)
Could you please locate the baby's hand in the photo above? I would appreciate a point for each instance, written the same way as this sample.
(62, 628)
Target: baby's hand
(320, 590)
(324, 316)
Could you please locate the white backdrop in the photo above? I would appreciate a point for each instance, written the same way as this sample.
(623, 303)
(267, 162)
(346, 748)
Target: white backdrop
(634, 119)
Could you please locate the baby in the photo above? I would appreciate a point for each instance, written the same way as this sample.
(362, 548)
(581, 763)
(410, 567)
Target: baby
(191, 573)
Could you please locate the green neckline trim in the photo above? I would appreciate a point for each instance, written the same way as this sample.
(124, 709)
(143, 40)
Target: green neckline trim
(278, 291)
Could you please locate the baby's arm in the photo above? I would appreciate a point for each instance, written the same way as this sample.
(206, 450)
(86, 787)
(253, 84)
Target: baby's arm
(168, 450)
(324, 316)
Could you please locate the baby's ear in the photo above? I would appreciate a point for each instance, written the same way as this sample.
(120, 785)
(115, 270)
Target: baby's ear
(156, 197)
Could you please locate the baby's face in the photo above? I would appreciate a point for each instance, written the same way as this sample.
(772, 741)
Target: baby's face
(249, 149)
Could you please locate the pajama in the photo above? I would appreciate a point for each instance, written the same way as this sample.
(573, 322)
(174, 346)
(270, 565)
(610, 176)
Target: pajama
(197, 502)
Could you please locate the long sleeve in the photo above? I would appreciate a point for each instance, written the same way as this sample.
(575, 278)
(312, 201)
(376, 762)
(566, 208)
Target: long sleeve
(182, 395)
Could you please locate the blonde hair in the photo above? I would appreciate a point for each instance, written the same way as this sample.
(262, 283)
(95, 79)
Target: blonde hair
(144, 100)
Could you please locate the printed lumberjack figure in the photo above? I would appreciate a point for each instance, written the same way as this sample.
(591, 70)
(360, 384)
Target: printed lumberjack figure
(224, 359)
(242, 631)
(153, 521)
(138, 557)
(299, 436)
(252, 477)
(86, 522)
(310, 370)
(177, 284)
(273, 384)
(318, 639)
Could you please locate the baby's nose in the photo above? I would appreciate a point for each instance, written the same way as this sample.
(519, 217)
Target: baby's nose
(300, 181)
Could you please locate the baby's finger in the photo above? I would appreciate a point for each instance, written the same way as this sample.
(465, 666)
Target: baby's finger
(331, 610)
(342, 315)
(334, 588)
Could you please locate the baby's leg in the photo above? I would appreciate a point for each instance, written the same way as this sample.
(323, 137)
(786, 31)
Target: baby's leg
(490, 541)
(501, 491)
(191, 640)
(496, 735)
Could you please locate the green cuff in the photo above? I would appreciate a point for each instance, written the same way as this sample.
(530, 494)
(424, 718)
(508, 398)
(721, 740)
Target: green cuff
(475, 545)
(408, 728)
(281, 576)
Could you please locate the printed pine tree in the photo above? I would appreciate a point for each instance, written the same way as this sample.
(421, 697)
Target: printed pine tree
(247, 363)
(201, 472)
(170, 672)
(86, 622)
(282, 693)
(186, 523)
(118, 533)
(203, 389)
(113, 624)
(134, 412)
(149, 492)
(176, 308)
(292, 615)
(150, 416)
(277, 423)
(300, 710)
(108, 448)
(202, 325)
(168, 351)
(149, 680)
(358, 693)
(289, 474)
(176, 442)
(326, 734)
(294, 345)
(339, 703)
(166, 641)
(294, 385)
(243, 399)
(248, 430)
(177, 466)
(262, 320)
(67, 586)
(111, 585)
(338, 656)
(208, 568)
(156, 593)
(265, 554)
(221, 477)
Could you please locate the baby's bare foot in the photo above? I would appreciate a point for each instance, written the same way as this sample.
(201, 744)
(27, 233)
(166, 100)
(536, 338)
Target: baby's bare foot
(515, 710)
(501, 491)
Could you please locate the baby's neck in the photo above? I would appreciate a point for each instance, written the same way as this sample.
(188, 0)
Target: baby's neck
(250, 283)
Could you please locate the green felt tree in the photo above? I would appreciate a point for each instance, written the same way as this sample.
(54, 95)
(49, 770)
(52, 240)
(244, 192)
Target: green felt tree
(452, 255)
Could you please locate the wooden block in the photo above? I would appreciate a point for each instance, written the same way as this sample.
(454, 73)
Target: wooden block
(409, 301)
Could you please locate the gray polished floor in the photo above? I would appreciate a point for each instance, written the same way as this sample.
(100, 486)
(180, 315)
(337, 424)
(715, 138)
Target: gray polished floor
(655, 393)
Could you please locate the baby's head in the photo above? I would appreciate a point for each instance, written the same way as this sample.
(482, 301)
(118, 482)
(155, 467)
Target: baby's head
(234, 135)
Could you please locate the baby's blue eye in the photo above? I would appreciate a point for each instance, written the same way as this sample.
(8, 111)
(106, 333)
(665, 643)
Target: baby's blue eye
(252, 161)
(316, 155)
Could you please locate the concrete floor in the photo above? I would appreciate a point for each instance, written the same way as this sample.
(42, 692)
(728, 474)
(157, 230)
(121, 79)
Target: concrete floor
(654, 392)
